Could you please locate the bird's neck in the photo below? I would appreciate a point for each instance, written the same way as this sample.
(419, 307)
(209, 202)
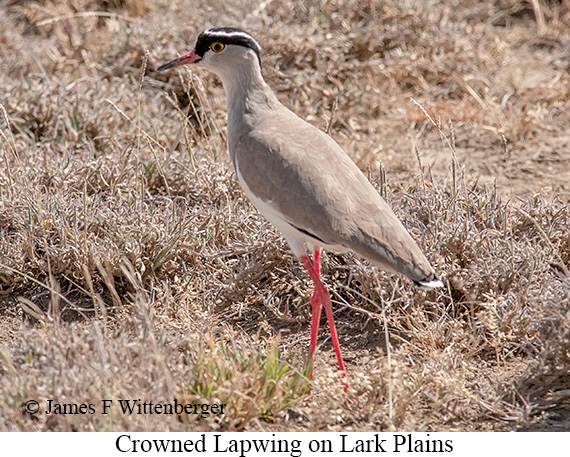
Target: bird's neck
(247, 94)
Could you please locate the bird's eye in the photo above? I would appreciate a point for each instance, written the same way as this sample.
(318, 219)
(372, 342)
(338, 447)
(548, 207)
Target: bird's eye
(217, 47)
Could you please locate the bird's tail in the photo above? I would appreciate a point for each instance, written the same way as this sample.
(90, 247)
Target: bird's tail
(429, 284)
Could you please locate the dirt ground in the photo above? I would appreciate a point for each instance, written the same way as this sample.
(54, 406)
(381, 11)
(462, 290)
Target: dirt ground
(133, 266)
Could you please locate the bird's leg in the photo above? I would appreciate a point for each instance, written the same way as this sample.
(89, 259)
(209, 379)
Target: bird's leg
(316, 298)
(317, 261)
(317, 306)
(319, 299)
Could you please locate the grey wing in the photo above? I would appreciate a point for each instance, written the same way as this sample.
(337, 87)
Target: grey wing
(317, 188)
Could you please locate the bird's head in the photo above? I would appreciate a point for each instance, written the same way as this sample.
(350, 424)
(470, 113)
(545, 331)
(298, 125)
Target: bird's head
(220, 50)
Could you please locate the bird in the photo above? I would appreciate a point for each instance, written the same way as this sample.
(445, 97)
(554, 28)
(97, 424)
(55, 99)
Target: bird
(300, 179)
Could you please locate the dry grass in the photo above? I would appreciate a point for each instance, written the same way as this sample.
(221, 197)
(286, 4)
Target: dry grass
(132, 266)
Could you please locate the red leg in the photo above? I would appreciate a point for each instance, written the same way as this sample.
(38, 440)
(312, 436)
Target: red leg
(317, 306)
(317, 262)
(321, 298)
(316, 303)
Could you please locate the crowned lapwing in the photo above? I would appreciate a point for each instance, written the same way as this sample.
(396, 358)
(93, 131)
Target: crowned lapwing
(299, 178)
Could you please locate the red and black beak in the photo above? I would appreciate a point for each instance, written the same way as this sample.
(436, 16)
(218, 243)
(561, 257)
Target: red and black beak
(186, 59)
